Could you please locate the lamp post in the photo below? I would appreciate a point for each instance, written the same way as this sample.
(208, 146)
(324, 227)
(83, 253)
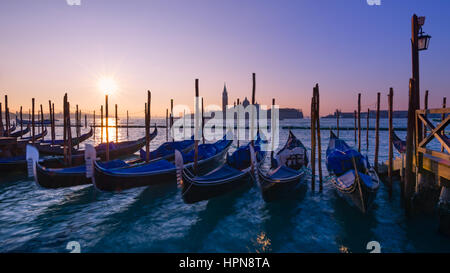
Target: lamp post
(419, 42)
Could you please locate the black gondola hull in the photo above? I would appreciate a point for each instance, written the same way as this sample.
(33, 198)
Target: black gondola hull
(107, 181)
(193, 192)
(52, 180)
(116, 183)
(273, 191)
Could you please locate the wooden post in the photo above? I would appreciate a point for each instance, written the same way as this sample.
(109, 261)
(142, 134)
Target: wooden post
(21, 120)
(38, 121)
(272, 129)
(1, 121)
(69, 135)
(367, 129)
(237, 125)
(93, 124)
(196, 128)
(77, 124)
(42, 122)
(319, 148)
(359, 122)
(253, 103)
(354, 114)
(444, 105)
(426, 108)
(171, 119)
(409, 176)
(85, 120)
(128, 119)
(7, 116)
(107, 128)
(390, 148)
(313, 144)
(337, 121)
(377, 133)
(65, 127)
(203, 123)
(101, 124)
(167, 124)
(53, 122)
(147, 128)
(415, 68)
(32, 121)
(29, 120)
(117, 124)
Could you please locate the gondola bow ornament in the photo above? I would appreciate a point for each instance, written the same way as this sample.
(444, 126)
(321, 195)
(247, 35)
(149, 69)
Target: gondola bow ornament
(32, 156)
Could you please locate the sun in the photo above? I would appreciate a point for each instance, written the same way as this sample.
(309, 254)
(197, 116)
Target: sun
(107, 85)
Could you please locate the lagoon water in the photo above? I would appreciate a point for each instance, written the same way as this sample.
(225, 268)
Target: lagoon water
(155, 219)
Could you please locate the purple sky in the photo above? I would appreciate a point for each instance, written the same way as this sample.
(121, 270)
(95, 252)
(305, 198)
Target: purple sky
(48, 48)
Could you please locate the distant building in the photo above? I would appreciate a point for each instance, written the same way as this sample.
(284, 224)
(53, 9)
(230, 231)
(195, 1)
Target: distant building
(224, 101)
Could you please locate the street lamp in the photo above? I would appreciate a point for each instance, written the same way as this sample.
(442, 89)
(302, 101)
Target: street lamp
(423, 40)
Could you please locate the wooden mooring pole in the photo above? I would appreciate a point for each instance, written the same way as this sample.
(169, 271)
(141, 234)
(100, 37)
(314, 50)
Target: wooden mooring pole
(101, 124)
(93, 123)
(53, 122)
(319, 148)
(7, 116)
(32, 121)
(444, 105)
(128, 120)
(203, 123)
(69, 135)
(77, 124)
(367, 129)
(167, 124)
(117, 124)
(359, 122)
(147, 127)
(337, 121)
(426, 108)
(377, 133)
(21, 120)
(390, 148)
(313, 143)
(42, 122)
(65, 128)
(107, 127)
(171, 119)
(1, 121)
(409, 175)
(354, 114)
(196, 127)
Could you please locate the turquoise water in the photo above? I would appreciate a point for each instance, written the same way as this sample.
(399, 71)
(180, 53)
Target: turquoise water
(155, 219)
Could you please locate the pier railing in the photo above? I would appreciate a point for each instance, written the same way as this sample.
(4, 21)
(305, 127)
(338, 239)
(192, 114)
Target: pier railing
(430, 160)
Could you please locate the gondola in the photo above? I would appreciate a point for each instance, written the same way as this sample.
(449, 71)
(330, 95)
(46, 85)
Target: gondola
(167, 150)
(12, 153)
(159, 171)
(287, 169)
(55, 147)
(61, 177)
(354, 179)
(234, 174)
(10, 130)
(29, 122)
(21, 132)
(400, 145)
(24, 140)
